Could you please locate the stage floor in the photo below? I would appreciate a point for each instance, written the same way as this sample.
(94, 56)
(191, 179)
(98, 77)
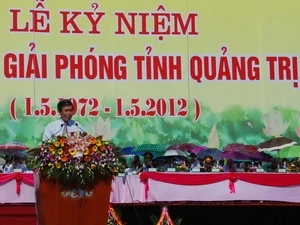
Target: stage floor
(190, 212)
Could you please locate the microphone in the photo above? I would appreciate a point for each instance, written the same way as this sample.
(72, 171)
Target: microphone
(61, 126)
(83, 131)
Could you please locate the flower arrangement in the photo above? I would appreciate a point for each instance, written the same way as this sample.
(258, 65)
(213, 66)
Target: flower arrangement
(182, 168)
(76, 161)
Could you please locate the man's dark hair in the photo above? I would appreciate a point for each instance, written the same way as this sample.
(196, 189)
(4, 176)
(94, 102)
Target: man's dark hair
(63, 103)
(148, 155)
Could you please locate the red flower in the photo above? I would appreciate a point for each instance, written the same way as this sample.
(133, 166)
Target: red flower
(232, 177)
(66, 147)
(144, 177)
(64, 158)
(87, 159)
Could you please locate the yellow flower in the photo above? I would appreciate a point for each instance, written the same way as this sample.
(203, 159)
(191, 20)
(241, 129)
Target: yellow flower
(86, 151)
(95, 148)
(57, 143)
(72, 151)
(93, 166)
(60, 151)
(99, 143)
(58, 165)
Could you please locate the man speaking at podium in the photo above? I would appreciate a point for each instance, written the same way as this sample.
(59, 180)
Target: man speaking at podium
(65, 125)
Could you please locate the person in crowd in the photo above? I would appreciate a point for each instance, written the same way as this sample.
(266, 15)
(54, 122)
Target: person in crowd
(170, 163)
(273, 167)
(292, 167)
(221, 164)
(193, 161)
(159, 165)
(65, 125)
(10, 167)
(148, 157)
(229, 167)
(284, 163)
(297, 163)
(21, 164)
(136, 163)
(208, 163)
(247, 167)
(6, 165)
(16, 163)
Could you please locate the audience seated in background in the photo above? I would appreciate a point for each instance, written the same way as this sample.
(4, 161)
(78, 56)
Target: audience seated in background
(16, 163)
(135, 164)
(193, 161)
(148, 157)
(221, 163)
(229, 167)
(169, 164)
(247, 167)
(208, 163)
(273, 167)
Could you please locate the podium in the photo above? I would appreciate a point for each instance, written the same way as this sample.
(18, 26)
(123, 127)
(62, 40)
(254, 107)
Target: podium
(58, 205)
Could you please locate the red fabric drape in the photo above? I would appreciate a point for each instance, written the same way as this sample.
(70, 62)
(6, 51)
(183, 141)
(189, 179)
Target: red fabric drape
(266, 179)
(19, 177)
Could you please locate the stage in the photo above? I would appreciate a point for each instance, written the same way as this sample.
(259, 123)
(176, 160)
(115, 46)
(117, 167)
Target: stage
(209, 212)
(213, 202)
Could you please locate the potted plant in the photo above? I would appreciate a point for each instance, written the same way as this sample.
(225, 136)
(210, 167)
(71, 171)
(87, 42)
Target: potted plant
(73, 179)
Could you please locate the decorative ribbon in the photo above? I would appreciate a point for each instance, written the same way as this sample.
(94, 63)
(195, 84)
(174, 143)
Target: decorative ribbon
(266, 179)
(232, 179)
(19, 179)
(144, 177)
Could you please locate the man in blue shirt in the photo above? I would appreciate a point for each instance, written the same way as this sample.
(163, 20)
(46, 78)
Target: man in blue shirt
(65, 125)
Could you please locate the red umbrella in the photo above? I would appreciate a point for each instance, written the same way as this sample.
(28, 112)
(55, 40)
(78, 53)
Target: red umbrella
(235, 147)
(13, 149)
(251, 148)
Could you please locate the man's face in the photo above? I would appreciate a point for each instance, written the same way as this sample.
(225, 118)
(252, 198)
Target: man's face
(147, 161)
(66, 113)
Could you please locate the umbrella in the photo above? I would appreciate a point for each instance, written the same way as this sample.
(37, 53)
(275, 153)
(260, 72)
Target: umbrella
(251, 148)
(171, 153)
(276, 143)
(290, 152)
(174, 152)
(235, 147)
(259, 156)
(184, 146)
(235, 155)
(127, 151)
(197, 149)
(155, 149)
(14, 149)
(213, 152)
